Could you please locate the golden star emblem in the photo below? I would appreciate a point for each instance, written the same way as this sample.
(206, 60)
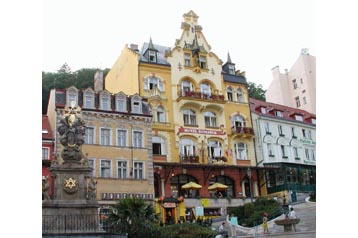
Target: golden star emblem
(70, 183)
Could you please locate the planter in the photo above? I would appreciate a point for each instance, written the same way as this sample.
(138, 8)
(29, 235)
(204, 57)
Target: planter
(287, 223)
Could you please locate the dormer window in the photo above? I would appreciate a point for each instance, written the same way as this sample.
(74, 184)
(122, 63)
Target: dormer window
(298, 118)
(121, 103)
(313, 120)
(263, 110)
(203, 62)
(105, 101)
(187, 58)
(279, 113)
(152, 56)
(72, 96)
(136, 105)
(231, 69)
(88, 100)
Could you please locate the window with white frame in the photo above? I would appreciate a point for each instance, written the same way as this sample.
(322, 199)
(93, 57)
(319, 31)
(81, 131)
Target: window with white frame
(89, 135)
(122, 169)
(214, 149)
(309, 135)
(136, 106)
(105, 101)
(187, 58)
(105, 169)
(160, 114)
(121, 137)
(186, 86)
(121, 103)
(187, 147)
(267, 128)
(92, 164)
(203, 62)
(279, 113)
(138, 170)
(229, 94)
(283, 151)
(313, 120)
(240, 150)
(280, 130)
(298, 118)
(210, 119)
(238, 121)
(138, 139)
(307, 152)
(189, 117)
(45, 153)
(270, 149)
(295, 152)
(152, 56)
(89, 99)
(263, 110)
(239, 95)
(297, 100)
(72, 97)
(158, 145)
(231, 69)
(313, 154)
(153, 82)
(205, 89)
(293, 132)
(304, 133)
(105, 136)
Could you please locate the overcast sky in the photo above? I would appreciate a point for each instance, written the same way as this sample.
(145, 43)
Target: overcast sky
(258, 34)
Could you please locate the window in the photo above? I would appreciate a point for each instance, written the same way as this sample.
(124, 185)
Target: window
(267, 128)
(293, 132)
(280, 132)
(283, 151)
(152, 56)
(88, 100)
(309, 135)
(214, 149)
(152, 83)
(298, 118)
(307, 152)
(187, 86)
(105, 103)
(301, 80)
(158, 145)
(45, 153)
(229, 94)
(270, 150)
(240, 150)
(137, 139)
(105, 136)
(160, 114)
(189, 117)
(122, 169)
(210, 119)
(205, 89)
(121, 137)
(121, 103)
(72, 97)
(304, 133)
(295, 151)
(313, 154)
(92, 164)
(105, 169)
(136, 107)
(279, 113)
(294, 84)
(239, 121)
(313, 121)
(138, 170)
(304, 100)
(203, 62)
(187, 147)
(239, 95)
(263, 110)
(297, 99)
(89, 136)
(187, 59)
(231, 69)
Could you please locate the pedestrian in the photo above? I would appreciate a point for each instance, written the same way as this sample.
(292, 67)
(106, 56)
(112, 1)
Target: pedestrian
(264, 223)
(221, 229)
(293, 216)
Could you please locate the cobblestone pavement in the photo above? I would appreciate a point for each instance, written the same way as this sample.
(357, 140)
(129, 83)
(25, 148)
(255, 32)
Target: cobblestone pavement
(305, 229)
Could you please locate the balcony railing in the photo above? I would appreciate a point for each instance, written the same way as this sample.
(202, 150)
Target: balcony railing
(218, 160)
(199, 95)
(242, 130)
(189, 159)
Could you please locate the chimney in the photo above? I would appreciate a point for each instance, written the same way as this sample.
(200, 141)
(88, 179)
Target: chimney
(98, 81)
(134, 47)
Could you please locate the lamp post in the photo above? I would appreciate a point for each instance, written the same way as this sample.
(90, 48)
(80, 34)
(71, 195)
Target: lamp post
(249, 175)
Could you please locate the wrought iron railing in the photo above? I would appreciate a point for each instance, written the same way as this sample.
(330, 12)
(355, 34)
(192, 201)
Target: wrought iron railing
(242, 130)
(199, 95)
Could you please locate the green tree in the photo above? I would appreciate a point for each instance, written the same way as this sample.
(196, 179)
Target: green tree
(256, 91)
(133, 216)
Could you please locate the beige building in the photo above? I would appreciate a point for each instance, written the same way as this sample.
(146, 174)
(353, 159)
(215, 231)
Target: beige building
(296, 87)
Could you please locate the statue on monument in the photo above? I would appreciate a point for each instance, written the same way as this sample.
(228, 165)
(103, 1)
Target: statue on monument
(91, 190)
(45, 188)
(72, 130)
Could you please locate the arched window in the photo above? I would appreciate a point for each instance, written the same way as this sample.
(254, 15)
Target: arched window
(158, 145)
(238, 121)
(210, 119)
(214, 149)
(240, 151)
(187, 147)
(153, 82)
(239, 95)
(189, 117)
(229, 94)
(205, 89)
(176, 183)
(229, 192)
(186, 86)
(160, 114)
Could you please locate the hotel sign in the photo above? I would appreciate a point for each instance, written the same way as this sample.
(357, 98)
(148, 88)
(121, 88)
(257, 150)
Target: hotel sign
(116, 196)
(307, 142)
(201, 131)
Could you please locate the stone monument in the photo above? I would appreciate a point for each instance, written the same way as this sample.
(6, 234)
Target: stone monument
(73, 207)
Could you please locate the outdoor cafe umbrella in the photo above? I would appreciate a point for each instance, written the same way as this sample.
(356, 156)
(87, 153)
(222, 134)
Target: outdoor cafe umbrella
(191, 185)
(217, 186)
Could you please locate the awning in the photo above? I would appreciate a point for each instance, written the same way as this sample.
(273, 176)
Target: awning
(191, 185)
(217, 186)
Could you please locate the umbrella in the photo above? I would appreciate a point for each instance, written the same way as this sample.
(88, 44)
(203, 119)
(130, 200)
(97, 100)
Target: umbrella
(191, 185)
(217, 186)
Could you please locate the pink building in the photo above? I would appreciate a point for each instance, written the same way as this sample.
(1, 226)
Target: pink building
(296, 87)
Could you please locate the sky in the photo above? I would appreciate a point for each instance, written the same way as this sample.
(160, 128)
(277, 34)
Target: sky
(258, 34)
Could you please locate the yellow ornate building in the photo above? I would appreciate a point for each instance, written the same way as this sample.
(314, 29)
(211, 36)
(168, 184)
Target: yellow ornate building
(202, 130)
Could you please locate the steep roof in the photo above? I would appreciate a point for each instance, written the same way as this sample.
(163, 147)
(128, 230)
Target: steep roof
(160, 54)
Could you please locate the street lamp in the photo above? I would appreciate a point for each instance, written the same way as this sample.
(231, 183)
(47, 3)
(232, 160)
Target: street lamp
(249, 175)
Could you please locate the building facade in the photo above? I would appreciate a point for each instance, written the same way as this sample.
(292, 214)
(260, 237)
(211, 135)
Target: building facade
(286, 147)
(296, 87)
(118, 139)
(47, 149)
(202, 130)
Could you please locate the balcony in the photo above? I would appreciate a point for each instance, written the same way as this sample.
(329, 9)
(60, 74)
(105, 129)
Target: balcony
(218, 160)
(214, 97)
(189, 159)
(148, 93)
(243, 131)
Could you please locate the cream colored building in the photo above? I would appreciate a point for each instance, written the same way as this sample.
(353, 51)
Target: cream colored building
(296, 87)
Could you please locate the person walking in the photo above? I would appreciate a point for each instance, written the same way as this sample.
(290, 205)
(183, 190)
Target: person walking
(264, 223)
(292, 215)
(221, 229)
